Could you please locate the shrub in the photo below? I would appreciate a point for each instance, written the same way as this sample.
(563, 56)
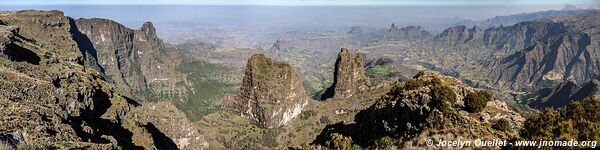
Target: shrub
(442, 97)
(325, 120)
(305, 115)
(502, 125)
(340, 142)
(385, 142)
(476, 101)
(578, 121)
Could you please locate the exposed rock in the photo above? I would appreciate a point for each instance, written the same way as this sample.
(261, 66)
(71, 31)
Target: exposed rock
(164, 116)
(408, 33)
(280, 46)
(411, 113)
(271, 93)
(136, 59)
(50, 98)
(6, 36)
(355, 30)
(349, 76)
(554, 50)
(460, 34)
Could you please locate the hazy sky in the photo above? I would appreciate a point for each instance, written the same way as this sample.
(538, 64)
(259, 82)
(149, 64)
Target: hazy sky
(308, 2)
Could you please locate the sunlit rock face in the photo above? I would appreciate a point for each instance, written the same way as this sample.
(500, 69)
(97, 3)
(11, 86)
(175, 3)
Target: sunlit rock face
(271, 93)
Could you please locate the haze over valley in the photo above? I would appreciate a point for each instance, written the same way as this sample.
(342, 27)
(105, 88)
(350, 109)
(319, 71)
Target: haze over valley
(297, 74)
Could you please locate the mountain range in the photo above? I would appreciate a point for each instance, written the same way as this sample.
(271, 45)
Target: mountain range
(95, 84)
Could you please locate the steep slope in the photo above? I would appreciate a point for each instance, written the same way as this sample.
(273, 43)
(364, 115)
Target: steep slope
(561, 49)
(50, 100)
(429, 105)
(509, 20)
(460, 35)
(271, 93)
(132, 59)
(563, 94)
(349, 76)
(410, 33)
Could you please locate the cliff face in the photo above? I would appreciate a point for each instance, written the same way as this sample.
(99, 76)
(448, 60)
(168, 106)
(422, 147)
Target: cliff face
(136, 59)
(349, 76)
(271, 93)
(51, 100)
(460, 35)
(409, 33)
(561, 49)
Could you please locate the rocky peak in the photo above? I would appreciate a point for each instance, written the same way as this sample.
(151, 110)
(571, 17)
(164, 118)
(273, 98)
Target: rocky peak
(355, 30)
(130, 58)
(349, 76)
(281, 45)
(428, 105)
(460, 34)
(271, 93)
(406, 33)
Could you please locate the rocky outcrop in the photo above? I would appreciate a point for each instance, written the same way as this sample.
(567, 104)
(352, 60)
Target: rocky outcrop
(50, 100)
(136, 59)
(349, 76)
(429, 105)
(408, 33)
(271, 93)
(6, 36)
(355, 30)
(460, 34)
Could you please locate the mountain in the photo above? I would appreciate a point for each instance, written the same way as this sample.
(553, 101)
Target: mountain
(428, 105)
(568, 10)
(349, 76)
(52, 100)
(141, 66)
(551, 50)
(563, 94)
(406, 33)
(271, 93)
(460, 35)
(132, 59)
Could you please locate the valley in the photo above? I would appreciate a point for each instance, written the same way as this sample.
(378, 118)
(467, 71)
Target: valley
(95, 83)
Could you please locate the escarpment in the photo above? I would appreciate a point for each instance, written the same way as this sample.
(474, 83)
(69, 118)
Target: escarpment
(132, 59)
(51, 100)
(349, 76)
(271, 94)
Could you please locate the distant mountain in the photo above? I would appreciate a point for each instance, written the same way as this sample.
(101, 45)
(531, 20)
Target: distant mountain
(568, 10)
(547, 52)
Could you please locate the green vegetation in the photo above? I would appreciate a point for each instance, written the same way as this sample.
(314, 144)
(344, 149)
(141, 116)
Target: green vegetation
(385, 142)
(380, 70)
(476, 101)
(578, 121)
(502, 125)
(210, 82)
(442, 96)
